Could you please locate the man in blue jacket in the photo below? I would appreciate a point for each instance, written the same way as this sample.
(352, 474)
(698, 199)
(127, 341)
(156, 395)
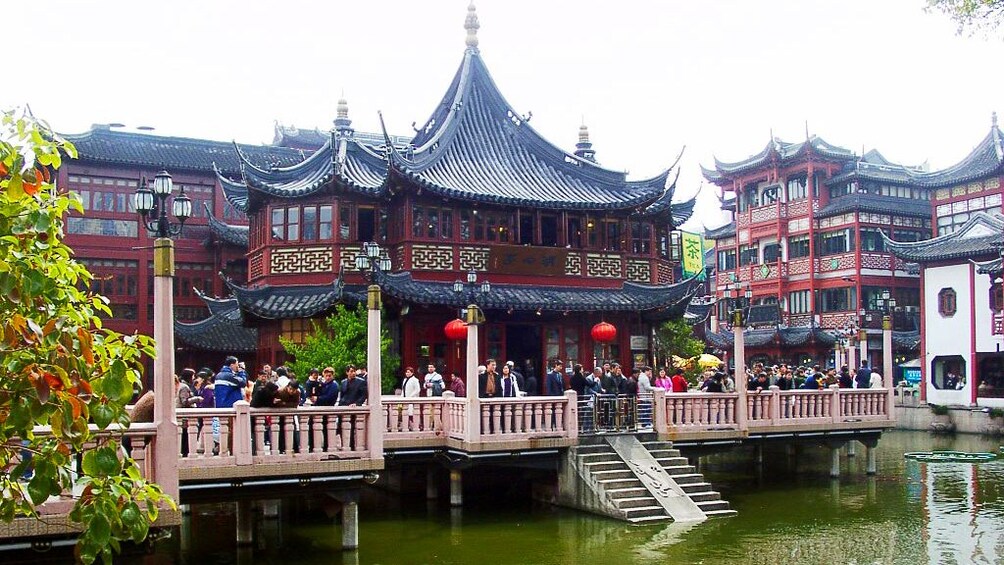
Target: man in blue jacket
(555, 381)
(230, 383)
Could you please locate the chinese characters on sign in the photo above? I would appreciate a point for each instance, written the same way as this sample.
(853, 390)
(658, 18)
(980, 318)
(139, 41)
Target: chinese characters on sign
(505, 259)
(693, 254)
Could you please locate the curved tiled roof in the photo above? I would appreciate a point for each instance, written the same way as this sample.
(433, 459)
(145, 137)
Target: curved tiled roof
(630, 297)
(906, 340)
(476, 147)
(341, 162)
(234, 235)
(991, 267)
(864, 202)
(981, 236)
(217, 333)
(280, 302)
(767, 336)
(104, 145)
(727, 230)
(984, 160)
(776, 149)
(221, 331)
(697, 311)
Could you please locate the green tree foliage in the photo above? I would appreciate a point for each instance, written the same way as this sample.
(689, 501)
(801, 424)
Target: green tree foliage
(972, 16)
(59, 369)
(339, 341)
(676, 337)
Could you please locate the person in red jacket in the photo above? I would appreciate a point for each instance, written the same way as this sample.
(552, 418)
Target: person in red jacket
(678, 380)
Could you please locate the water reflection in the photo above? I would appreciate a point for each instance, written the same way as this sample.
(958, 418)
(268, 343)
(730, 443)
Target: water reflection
(790, 512)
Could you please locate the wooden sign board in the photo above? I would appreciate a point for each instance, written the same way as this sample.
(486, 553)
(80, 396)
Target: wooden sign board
(516, 260)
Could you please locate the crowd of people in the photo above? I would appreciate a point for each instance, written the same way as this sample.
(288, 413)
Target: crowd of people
(279, 388)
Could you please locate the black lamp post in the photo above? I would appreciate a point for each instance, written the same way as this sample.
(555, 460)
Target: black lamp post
(372, 259)
(738, 298)
(152, 206)
(473, 290)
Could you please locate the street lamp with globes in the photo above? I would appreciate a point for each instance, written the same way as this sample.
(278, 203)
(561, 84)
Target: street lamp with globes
(152, 207)
(371, 260)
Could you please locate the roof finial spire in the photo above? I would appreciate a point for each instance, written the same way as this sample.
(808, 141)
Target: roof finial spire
(342, 121)
(807, 137)
(471, 25)
(584, 149)
(993, 119)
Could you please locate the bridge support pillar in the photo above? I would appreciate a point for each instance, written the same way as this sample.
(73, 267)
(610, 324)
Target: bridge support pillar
(456, 488)
(835, 461)
(870, 453)
(851, 449)
(350, 525)
(245, 523)
(431, 483)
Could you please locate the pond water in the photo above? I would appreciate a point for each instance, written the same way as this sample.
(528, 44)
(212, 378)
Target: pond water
(789, 511)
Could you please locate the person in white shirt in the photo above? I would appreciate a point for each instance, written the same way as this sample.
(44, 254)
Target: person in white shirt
(412, 387)
(431, 378)
(645, 381)
(876, 379)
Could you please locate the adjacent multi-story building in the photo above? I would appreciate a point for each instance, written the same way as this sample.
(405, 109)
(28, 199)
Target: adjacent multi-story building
(806, 242)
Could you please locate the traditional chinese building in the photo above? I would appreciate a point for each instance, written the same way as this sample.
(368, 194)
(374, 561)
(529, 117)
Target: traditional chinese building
(961, 361)
(806, 240)
(564, 242)
(963, 306)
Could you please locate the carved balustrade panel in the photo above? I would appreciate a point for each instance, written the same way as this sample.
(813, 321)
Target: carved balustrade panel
(639, 270)
(604, 265)
(297, 260)
(431, 258)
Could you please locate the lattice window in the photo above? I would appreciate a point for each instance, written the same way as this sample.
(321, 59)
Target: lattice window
(947, 304)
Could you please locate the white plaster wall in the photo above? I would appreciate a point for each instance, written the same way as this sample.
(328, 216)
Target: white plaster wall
(947, 335)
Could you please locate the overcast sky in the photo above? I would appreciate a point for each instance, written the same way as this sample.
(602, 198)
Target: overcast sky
(648, 77)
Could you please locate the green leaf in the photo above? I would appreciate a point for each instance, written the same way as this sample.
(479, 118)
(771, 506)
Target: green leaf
(90, 463)
(102, 414)
(39, 488)
(108, 463)
(99, 530)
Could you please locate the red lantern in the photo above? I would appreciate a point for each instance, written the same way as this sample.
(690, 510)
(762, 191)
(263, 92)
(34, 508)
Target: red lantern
(604, 332)
(456, 329)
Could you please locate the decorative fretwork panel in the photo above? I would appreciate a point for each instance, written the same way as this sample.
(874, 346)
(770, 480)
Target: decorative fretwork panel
(799, 208)
(639, 270)
(573, 265)
(838, 320)
(431, 258)
(603, 265)
(665, 272)
(290, 260)
(875, 261)
(764, 214)
(347, 258)
(798, 267)
(836, 262)
(766, 271)
(473, 258)
(256, 266)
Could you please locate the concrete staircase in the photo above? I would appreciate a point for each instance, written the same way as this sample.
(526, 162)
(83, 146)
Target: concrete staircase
(616, 490)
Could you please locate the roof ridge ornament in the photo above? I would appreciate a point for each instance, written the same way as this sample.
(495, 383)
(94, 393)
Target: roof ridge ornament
(472, 25)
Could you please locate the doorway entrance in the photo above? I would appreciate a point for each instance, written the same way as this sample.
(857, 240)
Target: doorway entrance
(522, 346)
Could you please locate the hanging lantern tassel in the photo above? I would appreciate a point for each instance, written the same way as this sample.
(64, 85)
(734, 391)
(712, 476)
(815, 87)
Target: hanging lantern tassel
(604, 332)
(456, 330)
